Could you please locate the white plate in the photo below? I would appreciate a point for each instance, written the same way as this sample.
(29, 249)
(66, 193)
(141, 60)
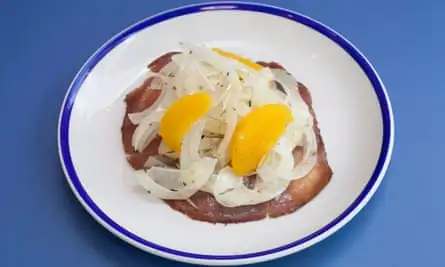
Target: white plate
(349, 98)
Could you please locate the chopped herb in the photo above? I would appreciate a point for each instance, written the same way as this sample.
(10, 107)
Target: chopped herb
(190, 52)
(173, 190)
(279, 87)
(202, 136)
(148, 191)
(184, 183)
(228, 73)
(227, 191)
(207, 150)
(250, 103)
(174, 88)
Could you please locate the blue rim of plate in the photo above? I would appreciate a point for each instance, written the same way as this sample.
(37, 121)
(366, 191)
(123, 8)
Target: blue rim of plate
(208, 7)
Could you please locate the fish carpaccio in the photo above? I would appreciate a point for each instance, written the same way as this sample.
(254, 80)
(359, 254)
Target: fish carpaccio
(206, 207)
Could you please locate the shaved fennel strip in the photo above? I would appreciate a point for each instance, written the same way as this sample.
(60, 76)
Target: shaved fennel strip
(180, 77)
(190, 145)
(146, 131)
(298, 106)
(278, 163)
(154, 162)
(218, 61)
(166, 151)
(230, 191)
(173, 186)
(231, 121)
(201, 55)
(146, 182)
(309, 159)
(208, 145)
(161, 102)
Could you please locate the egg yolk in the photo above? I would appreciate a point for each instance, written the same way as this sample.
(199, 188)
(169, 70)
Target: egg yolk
(180, 117)
(244, 61)
(256, 134)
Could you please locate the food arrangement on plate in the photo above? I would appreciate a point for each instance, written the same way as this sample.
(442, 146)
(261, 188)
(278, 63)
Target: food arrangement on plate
(221, 144)
(223, 139)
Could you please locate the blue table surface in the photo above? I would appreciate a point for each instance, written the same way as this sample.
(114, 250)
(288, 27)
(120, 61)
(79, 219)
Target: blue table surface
(42, 45)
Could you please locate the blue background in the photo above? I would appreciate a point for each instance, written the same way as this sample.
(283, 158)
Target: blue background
(44, 43)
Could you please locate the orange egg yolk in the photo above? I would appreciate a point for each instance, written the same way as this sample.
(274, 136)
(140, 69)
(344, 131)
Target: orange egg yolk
(244, 61)
(181, 116)
(256, 134)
